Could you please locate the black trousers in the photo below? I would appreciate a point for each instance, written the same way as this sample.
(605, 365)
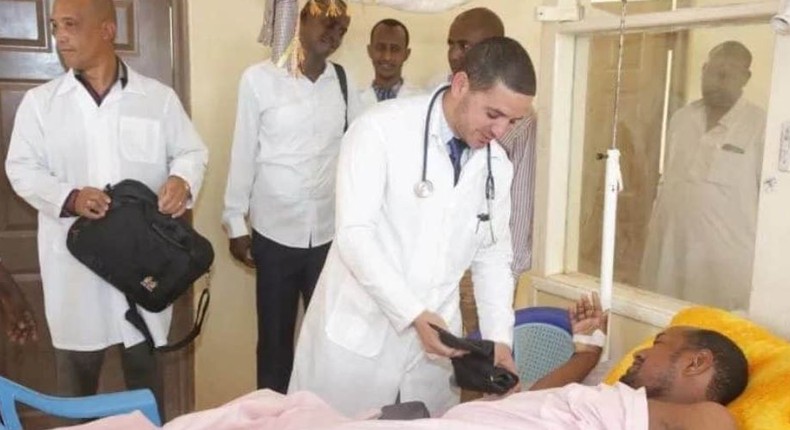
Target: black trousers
(78, 371)
(282, 275)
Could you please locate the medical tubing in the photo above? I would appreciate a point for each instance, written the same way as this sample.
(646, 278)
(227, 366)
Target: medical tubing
(425, 134)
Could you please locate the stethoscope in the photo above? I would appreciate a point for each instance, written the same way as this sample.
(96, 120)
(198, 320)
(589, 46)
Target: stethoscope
(424, 188)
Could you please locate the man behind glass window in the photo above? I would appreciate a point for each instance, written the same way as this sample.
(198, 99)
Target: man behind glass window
(700, 243)
(388, 50)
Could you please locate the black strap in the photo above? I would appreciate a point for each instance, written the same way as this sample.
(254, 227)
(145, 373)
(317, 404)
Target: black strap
(135, 319)
(341, 76)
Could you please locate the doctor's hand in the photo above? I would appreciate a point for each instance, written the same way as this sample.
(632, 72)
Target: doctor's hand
(241, 250)
(503, 357)
(91, 203)
(174, 196)
(430, 338)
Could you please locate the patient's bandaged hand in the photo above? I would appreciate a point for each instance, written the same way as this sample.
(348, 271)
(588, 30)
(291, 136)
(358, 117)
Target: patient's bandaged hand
(475, 370)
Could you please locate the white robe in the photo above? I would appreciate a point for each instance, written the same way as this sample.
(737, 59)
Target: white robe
(367, 97)
(700, 244)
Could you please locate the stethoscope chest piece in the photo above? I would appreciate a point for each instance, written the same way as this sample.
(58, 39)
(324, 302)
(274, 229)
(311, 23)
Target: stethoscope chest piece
(423, 189)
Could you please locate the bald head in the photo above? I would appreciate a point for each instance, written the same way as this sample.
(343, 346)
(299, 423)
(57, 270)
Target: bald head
(84, 31)
(725, 74)
(482, 18)
(102, 10)
(467, 30)
(733, 50)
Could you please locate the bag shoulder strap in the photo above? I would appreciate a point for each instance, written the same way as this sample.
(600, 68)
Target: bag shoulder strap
(341, 76)
(135, 319)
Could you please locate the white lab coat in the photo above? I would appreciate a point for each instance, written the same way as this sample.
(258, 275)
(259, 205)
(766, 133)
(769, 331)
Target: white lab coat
(700, 242)
(396, 255)
(367, 97)
(61, 141)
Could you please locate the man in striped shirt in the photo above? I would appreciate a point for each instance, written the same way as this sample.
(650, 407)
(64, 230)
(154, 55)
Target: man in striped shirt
(468, 29)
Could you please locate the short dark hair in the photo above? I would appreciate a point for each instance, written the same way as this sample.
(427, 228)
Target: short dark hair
(500, 59)
(730, 368)
(389, 22)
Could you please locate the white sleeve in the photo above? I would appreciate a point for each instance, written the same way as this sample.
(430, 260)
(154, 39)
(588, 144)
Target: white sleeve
(361, 183)
(491, 275)
(241, 172)
(186, 153)
(26, 163)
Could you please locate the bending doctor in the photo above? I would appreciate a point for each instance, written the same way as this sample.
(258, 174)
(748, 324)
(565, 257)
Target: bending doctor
(422, 194)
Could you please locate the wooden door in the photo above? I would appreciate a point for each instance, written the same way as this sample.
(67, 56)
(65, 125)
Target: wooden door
(27, 59)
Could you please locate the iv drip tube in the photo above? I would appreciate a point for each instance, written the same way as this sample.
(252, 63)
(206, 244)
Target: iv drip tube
(613, 184)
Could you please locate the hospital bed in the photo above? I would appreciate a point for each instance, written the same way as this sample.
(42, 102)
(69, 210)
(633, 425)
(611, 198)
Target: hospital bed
(542, 342)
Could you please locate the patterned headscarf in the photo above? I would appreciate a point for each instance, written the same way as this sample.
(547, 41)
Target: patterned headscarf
(280, 28)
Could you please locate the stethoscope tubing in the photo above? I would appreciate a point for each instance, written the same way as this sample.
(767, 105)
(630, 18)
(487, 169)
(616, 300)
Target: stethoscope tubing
(428, 116)
(424, 184)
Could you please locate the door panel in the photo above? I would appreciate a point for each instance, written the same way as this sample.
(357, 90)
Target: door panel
(28, 59)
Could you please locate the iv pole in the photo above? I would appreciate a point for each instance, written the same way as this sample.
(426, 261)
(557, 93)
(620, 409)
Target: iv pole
(613, 184)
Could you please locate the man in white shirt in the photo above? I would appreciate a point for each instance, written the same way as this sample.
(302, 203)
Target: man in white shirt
(700, 244)
(404, 239)
(388, 50)
(281, 179)
(99, 123)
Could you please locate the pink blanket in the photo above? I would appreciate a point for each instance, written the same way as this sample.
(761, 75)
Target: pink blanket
(568, 408)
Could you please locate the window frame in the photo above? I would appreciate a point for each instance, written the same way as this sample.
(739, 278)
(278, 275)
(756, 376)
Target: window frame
(554, 242)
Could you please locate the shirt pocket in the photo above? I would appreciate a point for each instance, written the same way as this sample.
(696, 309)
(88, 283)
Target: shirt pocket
(729, 167)
(139, 139)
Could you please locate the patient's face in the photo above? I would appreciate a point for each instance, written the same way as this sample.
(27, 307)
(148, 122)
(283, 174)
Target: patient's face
(656, 368)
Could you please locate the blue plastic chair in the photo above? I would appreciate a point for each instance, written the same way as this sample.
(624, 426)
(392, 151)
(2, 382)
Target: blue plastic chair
(542, 342)
(97, 406)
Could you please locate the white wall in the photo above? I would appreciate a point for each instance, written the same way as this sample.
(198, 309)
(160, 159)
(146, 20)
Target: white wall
(770, 301)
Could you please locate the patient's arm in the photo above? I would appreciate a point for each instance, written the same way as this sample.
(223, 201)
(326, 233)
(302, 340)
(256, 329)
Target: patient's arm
(575, 369)
(697, 416)
(586, 316)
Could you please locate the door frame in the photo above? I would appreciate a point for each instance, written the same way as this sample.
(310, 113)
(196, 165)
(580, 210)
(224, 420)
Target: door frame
(179, 366)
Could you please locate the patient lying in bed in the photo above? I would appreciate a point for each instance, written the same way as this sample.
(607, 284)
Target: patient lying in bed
(681, 382)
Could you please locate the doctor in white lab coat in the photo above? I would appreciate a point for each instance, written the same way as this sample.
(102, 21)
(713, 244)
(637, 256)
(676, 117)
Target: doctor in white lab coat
(97, 124)
(397, 258)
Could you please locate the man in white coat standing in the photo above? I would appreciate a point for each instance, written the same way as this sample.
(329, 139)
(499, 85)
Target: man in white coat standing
(422, 194)
(700, 242)
(97, 124)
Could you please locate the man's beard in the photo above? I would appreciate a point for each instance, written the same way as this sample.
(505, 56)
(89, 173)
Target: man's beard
(659, 389)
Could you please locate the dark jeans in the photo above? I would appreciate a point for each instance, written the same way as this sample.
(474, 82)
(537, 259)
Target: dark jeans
(283, 274)
(78, 371)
